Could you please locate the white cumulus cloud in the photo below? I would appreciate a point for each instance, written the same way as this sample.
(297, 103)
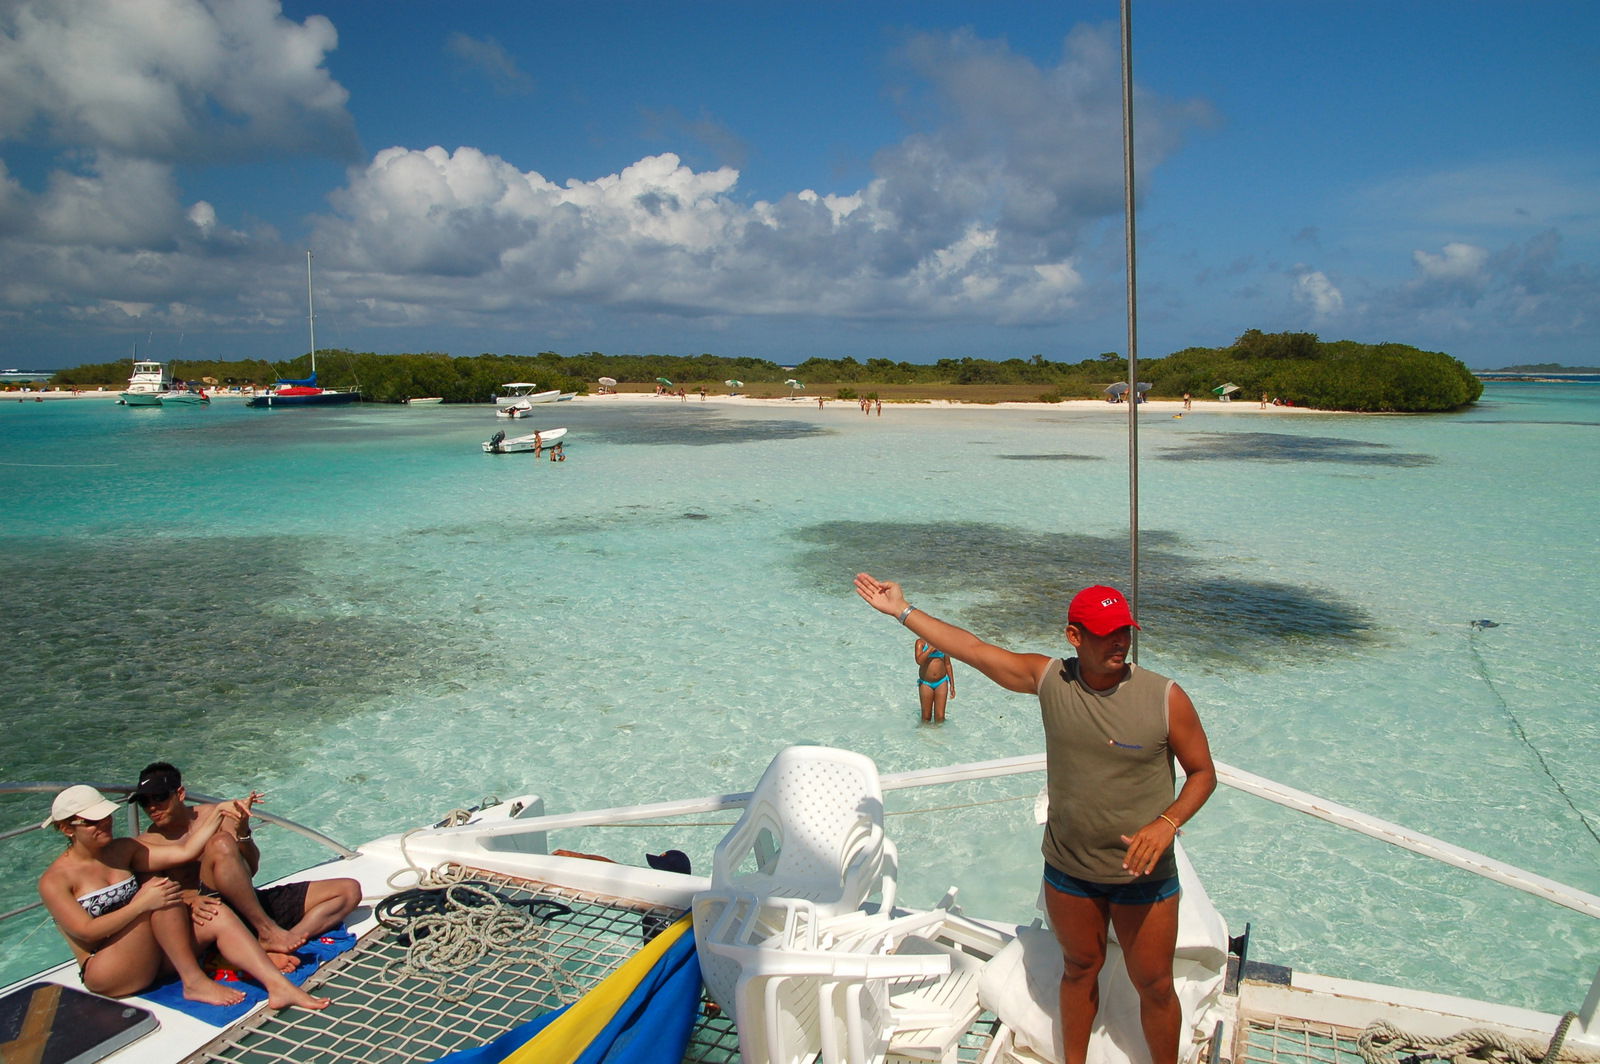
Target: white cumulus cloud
(220, 80)
(991, 210)
(1456, 262)
(1313, 289)
(983, 214)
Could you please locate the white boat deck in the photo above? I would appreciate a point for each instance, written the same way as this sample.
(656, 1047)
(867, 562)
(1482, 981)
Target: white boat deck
(382, 1013)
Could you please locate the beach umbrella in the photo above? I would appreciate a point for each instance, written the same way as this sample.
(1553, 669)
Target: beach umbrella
(734, 384)
(609, 382)
(209, 380)
(663, 380)
(1225, 389)
(1117, 389)
(791, 382)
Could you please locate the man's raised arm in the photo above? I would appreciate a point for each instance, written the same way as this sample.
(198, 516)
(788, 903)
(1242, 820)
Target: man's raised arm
(1013, 671)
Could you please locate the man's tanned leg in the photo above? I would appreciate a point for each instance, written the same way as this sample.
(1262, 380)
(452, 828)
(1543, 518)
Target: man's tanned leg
(223, 869)
(1149, 937)
(328, 902)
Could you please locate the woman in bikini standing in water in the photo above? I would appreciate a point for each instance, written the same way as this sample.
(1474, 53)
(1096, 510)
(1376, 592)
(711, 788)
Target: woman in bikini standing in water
(125, 933)
(936, 680)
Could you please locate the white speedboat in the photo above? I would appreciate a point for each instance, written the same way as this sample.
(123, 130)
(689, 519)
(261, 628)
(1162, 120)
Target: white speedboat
(430, 400)
(533, 441)
(793, 979)
(183, 395)
(519, 397)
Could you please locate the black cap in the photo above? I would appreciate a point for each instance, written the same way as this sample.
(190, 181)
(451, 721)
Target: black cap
(671, 861)
(157, 781)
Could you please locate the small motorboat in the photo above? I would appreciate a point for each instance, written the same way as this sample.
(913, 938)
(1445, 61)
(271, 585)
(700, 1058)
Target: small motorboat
(519, 395)
(524, 406)
(534, 441)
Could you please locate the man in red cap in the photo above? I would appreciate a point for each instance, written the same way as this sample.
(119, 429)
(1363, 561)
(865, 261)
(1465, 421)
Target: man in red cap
(1112, 731)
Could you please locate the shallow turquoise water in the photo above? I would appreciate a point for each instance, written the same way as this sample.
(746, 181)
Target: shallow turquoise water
(359, 612)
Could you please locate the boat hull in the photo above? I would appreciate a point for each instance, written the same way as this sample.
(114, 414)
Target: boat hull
(522, 444)
(321, 399)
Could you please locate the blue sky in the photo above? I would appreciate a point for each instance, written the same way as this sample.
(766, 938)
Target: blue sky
(876, 179)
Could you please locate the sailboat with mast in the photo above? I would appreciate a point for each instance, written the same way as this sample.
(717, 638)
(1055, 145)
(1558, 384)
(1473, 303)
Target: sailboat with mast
(305, 392)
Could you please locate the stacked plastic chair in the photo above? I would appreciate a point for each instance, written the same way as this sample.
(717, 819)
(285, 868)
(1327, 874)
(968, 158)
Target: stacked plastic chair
(784, 941)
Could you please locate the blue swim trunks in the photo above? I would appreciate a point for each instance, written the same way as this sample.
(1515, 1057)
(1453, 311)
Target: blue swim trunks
(1139, 892)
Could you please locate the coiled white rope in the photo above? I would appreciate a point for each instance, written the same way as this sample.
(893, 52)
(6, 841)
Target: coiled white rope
(1381, 1041)
(461, 925)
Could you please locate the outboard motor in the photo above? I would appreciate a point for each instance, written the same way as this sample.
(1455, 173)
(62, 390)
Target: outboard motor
(495, 440)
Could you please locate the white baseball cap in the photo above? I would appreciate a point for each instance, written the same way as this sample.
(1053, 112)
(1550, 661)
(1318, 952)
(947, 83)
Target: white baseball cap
(80, 800)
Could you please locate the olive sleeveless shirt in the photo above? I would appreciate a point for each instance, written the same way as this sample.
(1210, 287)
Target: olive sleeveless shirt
(1109, 770)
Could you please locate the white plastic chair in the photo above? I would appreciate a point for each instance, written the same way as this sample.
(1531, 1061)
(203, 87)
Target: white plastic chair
(813, 830)
(786, 946)
(809, 848)
(791, 1004)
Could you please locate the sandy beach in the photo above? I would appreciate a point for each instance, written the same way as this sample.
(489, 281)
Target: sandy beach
(1152, 407)
(1168, 407)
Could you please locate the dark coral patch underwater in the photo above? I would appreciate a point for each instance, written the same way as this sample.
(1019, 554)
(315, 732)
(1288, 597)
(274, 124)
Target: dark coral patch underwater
(1189, 605)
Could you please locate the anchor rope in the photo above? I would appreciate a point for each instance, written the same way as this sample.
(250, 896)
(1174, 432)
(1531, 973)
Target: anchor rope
(1483, 674)
(1381, 1041)
(450, 924)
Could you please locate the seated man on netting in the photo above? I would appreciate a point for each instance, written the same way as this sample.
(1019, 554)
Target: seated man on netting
(284, 917)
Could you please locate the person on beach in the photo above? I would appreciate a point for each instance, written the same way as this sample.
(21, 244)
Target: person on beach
(538, 445)
(126, 925)
(936, 681)
(1188, 401)
(284, 917)
(1112, 731)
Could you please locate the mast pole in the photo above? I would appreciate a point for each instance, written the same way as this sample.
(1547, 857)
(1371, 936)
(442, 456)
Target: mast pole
(1133, 316)
(311, 316)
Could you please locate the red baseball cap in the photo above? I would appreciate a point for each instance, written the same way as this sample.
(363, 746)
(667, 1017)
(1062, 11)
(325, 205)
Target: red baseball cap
(1100, 609)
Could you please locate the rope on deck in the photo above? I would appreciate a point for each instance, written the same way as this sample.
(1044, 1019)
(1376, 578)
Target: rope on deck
(450, 930)
(449, 924)
(1381, 1042)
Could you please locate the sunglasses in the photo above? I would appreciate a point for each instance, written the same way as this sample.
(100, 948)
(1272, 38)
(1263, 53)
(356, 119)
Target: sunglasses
(80, 822)
(147, 800)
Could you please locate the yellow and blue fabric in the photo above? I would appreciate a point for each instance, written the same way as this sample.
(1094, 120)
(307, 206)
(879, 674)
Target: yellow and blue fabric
(642, 1013)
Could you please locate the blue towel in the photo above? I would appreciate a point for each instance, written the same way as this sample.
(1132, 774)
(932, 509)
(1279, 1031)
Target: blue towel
(312, 954)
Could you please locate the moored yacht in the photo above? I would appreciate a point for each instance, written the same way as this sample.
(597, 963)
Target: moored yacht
(150, 381)
(304, 391)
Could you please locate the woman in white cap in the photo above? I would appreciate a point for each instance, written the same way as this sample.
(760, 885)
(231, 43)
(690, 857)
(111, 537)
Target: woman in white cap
(126, 925)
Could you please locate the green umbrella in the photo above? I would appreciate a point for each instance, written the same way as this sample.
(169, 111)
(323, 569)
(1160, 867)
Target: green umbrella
(734, 384)
(1225, 389)
(791, 382)
(663, 380)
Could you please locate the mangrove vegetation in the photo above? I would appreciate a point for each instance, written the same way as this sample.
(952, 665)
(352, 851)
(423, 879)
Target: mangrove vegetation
(1291, 367)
